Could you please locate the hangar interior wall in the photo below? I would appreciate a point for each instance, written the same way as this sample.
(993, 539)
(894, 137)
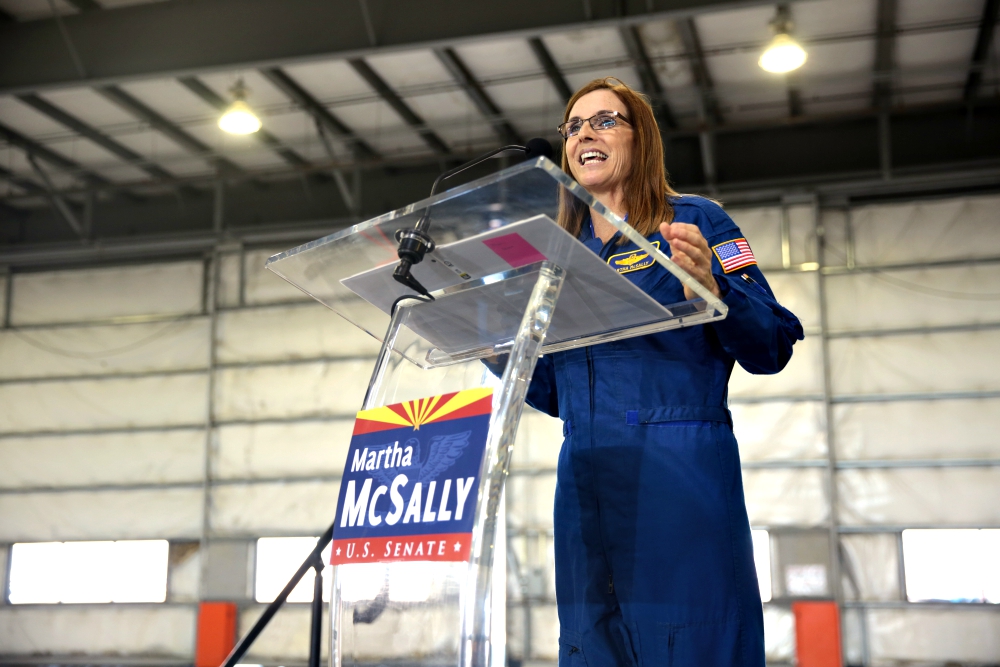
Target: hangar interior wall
(207, 402)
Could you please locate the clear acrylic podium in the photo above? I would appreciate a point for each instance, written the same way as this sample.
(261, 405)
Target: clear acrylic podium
(507, 280)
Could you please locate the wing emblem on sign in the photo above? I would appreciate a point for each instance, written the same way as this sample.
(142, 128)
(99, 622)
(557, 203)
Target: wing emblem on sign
(444, 451)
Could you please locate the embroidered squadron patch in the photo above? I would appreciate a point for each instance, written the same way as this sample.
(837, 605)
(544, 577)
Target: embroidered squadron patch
(634, 260)
(734, 254)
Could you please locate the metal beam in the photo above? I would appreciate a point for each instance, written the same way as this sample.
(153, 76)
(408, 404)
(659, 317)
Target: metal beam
(85, 5)
(709, 106)
(295, 92)
(647, 76)
(981, 51)
(164, 39)
(885, 46)
(148, 115)
(45, 107)
(794, 98)
(21, 182)
(461, 73)
(552, 71)
(390, 96)
(32, 147)
(219, 103)
(58, 203)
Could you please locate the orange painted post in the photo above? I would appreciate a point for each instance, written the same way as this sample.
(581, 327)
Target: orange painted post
(817, 634)
(216, 633)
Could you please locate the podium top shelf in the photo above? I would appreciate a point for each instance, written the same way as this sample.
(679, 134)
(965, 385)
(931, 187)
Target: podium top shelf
(348, 271)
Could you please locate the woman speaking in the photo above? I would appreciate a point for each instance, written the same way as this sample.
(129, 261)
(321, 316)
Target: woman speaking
(654, 560)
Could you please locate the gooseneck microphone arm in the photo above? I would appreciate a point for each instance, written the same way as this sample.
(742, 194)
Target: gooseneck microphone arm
(415, 242)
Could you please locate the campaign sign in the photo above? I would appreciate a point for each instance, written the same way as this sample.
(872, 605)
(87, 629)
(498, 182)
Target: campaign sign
(411, 481)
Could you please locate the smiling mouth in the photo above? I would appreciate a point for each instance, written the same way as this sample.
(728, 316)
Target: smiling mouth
(592, 157)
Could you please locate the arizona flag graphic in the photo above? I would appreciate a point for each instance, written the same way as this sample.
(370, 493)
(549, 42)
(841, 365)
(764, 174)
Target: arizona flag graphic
(411, 480)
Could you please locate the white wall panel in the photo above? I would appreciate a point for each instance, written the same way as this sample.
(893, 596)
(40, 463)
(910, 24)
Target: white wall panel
(530, 500)
(146, 457)
(944, 429)
(956, 496)
(539, 439)
(164, 400)
(100, 515)
(947, 229)
(873, 560)
(916, 363)
(297, 390)
(779, 634)
(286, 637)
(932, 636)
(293, 508)
(94, 294)
(296, 332)
(914, 298)
(94, 350)
(785, 497)
(799, 293)
(779, 430)
(263, 286)
(801, 377)
(245, 451)
(98, 630)
(544, 631)
(762, 228)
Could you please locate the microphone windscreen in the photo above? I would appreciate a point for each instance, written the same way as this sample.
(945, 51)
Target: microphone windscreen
(538, 147)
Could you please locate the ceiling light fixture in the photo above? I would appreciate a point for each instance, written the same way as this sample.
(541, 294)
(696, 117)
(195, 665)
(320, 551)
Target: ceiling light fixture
(783, 54)
(239, 118)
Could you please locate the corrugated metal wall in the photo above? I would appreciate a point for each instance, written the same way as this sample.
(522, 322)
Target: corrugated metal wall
(197, 399)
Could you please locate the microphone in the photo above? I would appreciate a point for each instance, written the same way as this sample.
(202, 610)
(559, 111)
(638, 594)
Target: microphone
(414, 243)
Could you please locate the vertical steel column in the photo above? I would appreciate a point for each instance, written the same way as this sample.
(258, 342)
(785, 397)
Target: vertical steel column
(218, 206)
(212, 267)
(884, 145)
(242, 279)
(849, 235)
(706, 142)
(8, 297)
(900, 563)
(836, 586)
(786, 236)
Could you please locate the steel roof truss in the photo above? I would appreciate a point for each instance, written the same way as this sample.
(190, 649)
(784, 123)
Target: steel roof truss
(647, 75)
(981, 51)
(699, 71)
(295, 92)
(393, 99)
(59, 115)
(461, 73)
(148, 115)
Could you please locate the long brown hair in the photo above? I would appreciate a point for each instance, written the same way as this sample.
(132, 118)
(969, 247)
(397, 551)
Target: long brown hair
(647, 191)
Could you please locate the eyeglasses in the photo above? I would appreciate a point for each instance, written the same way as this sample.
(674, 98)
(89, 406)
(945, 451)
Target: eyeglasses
(602, 120)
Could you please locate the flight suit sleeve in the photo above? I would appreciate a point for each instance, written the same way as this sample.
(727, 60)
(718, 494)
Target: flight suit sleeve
(758, 332)
(542, 394)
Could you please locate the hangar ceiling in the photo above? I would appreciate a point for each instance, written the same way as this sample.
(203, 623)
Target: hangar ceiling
(108, 108)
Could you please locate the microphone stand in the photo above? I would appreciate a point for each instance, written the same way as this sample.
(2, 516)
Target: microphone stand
(415, 242)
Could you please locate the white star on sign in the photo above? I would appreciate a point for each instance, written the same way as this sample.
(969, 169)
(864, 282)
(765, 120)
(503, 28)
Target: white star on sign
(458, 546)
(338, 551)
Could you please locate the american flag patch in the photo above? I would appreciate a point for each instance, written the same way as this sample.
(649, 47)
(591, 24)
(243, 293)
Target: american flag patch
(734, 254)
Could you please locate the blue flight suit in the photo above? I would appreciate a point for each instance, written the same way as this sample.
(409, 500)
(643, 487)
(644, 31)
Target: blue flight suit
(654, 560)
